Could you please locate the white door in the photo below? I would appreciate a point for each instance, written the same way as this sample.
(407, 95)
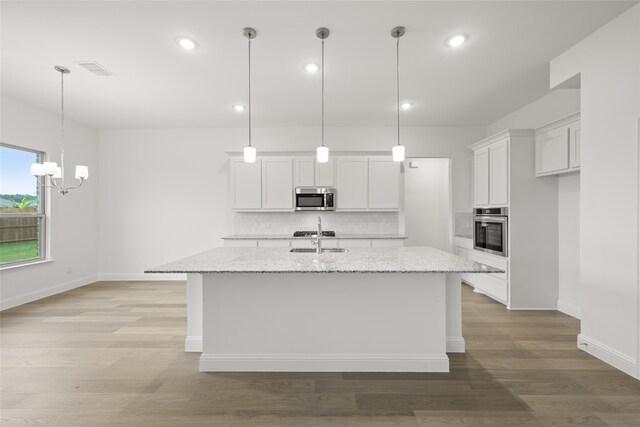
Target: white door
(574, 145)
(352, 183)
(277, 183)
(246, 184)
(305, 171)
(499, 173)
(384, 184)
(325, 173)
(481, 177)
(552, 149)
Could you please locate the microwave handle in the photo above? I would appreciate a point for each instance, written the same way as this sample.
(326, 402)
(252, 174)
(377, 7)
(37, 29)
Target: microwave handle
(490, 219)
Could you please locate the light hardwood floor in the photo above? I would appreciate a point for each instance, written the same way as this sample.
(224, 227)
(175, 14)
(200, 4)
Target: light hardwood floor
(111, 354)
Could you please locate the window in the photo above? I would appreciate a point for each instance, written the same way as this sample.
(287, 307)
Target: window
(22, 207)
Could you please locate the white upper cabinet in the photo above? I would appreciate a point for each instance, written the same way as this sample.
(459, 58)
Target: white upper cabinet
(305, 171)
(574, 145)
(481, 177)
(558, 146)
(277, 183)
(325, 173)
(499, 173)
(384, 184)
(352, 185)
(246, 184)
(309, 173)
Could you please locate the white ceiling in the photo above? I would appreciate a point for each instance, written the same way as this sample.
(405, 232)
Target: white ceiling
(503, 67)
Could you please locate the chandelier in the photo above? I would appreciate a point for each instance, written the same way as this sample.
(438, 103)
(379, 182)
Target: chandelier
(49, 174)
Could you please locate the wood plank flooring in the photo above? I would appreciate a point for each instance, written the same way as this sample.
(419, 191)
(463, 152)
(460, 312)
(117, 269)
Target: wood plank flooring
(111, 354)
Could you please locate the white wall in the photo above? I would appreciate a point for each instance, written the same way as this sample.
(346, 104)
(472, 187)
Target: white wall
(557, 104)
(74, 218)
(163, 193)
(608, 61)
(553, 106)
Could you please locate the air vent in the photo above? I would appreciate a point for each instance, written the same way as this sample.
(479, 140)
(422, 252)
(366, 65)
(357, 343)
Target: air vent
(95, 68)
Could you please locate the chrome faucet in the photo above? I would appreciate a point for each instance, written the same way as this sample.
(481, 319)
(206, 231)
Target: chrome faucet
(318, 239)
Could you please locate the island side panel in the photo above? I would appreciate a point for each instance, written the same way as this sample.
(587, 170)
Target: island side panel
(388, 322)
(455, 341)
(193, 341)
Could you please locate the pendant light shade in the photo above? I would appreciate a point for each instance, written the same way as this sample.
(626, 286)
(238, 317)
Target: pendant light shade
(322, 152)
(249, 154)
(249, 150)
(398, 150)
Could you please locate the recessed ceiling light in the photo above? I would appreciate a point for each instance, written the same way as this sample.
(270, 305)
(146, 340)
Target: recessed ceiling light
(186, 43)
(311, 67)
(406, 106)
(457, 40)
(239, 108)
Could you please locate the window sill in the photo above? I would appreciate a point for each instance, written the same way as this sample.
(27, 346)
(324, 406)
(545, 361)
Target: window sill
(25, 264)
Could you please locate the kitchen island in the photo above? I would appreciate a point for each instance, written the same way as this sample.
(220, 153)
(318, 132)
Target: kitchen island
(391, 309)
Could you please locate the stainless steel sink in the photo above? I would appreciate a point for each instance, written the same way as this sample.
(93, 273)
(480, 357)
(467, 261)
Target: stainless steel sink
(313, 250)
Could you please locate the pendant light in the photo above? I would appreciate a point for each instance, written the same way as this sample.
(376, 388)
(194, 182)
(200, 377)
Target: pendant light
(249, 151)
(322, 152)
(51, 170)
(398, 150)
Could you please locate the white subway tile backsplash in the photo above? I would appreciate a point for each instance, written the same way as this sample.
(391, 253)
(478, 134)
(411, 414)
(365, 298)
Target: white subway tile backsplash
(340, 222)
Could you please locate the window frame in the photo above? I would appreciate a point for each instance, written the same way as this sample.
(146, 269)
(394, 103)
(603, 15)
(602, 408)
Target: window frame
(42, 194)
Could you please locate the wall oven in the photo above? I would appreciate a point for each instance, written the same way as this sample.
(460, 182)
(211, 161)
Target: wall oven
(490, 230)
(315, 199)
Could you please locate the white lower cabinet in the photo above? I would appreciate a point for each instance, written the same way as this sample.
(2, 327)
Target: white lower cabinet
(354, 243)
(306, 243)
(494, 285)
(274, 243)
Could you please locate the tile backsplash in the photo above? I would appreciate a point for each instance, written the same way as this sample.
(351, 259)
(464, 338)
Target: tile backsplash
(340, 222)
(463, 223)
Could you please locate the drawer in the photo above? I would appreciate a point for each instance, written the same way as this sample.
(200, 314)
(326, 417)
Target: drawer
(387, 243)
(490, 286)
(492, 261)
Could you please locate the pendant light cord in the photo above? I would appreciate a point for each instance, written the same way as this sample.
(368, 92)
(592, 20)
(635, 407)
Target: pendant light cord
(398, 84)
(249, 91)
(62, 127)
(322, 71)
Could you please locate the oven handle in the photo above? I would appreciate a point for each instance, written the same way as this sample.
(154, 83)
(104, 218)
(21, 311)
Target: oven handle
(490, 219)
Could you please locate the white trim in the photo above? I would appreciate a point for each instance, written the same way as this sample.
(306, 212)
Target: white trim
(46, 292)
(613, 357)
(114, 277)
(570, 309)
(323, 363)
(193, 344)
(25, 264)
(533, 309)
(455, 345)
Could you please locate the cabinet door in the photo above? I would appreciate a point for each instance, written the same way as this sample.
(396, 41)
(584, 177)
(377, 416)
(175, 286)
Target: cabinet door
(246, 184)
(499, 173)
(481, 177)
(305, 171)
(552, 150)
(277, 183)
(352, 186)
(574, 145)
(384, 184)
(325, 173)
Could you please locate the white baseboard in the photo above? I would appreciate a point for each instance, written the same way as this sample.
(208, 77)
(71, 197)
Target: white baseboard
(193, 344)
(323, 363)
(455, 345)
(613, 357)
(113, 277)
(11, 302)
(570, 309)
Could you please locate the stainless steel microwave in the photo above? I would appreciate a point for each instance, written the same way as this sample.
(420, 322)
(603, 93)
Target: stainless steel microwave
(315, 199)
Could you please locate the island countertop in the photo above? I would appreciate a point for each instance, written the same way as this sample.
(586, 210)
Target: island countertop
(356, 260)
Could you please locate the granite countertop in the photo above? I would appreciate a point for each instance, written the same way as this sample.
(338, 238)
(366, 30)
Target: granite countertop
(356, 260)
(290, 237)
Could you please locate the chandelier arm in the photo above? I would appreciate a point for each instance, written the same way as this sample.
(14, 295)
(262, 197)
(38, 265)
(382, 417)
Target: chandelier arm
(73, 187)
(47, 186)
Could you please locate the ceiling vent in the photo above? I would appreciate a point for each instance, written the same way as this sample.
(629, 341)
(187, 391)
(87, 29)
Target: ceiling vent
(95, 68)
